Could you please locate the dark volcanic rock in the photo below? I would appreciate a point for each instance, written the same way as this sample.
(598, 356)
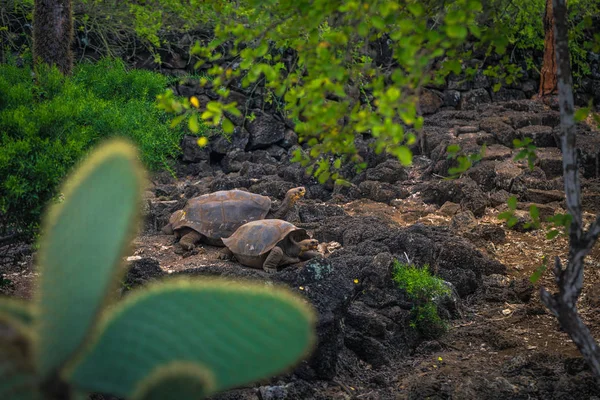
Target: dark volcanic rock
(498, 126)
(159, 212)
(463, 191)
(326, 289)
(550, 161)
(390, 171)
(429, 102)
(223, 145)
(541, 135)
(257, 171)
(461, 264)
(233, 161)
(451, 98)
(192, 152)
(471, 99)
(483, 174)
(272, 186)
(381, 192)
(264, 131)
(229, 182)
(141, 272)
(314, 212)
(505, 94)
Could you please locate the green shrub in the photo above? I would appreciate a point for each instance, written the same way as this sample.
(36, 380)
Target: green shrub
(422, 288)
(48, 122)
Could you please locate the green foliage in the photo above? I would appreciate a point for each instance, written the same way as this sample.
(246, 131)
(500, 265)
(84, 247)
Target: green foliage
(50, 122)
(115, 28)
(464, 161)
(527, 151)
(509, 215)
(219, 333)
(539, 271)
(423, 289)
(521, 24)
(327, 40)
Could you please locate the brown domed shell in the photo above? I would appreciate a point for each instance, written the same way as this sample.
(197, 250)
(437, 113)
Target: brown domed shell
(258, 237)
(217, 215)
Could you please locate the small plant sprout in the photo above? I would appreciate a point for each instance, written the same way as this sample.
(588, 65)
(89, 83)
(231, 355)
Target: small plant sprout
(423, 289)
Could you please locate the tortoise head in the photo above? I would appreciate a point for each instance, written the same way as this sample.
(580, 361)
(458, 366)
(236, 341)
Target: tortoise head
(296, 194)
(308, 244)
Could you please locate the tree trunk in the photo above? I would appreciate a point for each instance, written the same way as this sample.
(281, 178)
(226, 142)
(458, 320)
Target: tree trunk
(570, 279)
(548, 80)
(53, 34)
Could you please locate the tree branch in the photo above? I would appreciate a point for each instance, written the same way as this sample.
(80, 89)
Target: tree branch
(570, 280)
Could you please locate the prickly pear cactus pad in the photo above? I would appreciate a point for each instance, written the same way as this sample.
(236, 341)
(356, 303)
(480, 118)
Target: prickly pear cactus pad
(178, 380)
(84, 238)
(234, 333)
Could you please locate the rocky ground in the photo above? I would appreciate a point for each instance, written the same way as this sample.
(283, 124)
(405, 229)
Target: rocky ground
(501, 342)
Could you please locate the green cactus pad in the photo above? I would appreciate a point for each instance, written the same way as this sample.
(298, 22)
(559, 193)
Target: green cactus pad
(238, 331)
(16, 309)
(177, 380)
(84, 240)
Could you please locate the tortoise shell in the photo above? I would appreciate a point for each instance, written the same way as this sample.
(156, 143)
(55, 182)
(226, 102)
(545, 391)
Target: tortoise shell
(258, 237)
(217, 215)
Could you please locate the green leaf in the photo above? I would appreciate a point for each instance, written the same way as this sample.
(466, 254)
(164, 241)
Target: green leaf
(323, 177)
(581, 114)
(84, 239)
(505, 215)
(512, 202)
(534, 212)
(404, 155)
(552, 234)
(457, 31)
(193, 123)
(236, 332)
(177, 120)
(452, 150)
(227, 126)
(537, 274)
(416, 9)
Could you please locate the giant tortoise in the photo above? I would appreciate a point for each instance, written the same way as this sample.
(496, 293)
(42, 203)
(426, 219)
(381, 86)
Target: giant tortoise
(213, 216)
(269, 243)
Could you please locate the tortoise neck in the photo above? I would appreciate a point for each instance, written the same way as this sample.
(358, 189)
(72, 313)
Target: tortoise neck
(285, 206)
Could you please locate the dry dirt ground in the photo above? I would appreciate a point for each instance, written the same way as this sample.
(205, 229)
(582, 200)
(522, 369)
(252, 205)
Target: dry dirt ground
(490, 336)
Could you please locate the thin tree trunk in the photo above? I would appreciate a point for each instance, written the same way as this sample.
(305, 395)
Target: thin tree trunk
(548, 80)
(53, 33)
(570, 280)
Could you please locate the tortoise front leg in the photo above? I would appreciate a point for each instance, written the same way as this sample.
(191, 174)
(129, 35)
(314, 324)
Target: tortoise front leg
(189, 240)
(167, 229)
(225, 254)
(276, 258)
(307, 255)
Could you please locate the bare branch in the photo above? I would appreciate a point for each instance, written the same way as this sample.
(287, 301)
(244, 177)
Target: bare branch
(570, 280)
(593, 232)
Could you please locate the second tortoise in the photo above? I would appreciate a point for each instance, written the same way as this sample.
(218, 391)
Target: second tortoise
(269, 243)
